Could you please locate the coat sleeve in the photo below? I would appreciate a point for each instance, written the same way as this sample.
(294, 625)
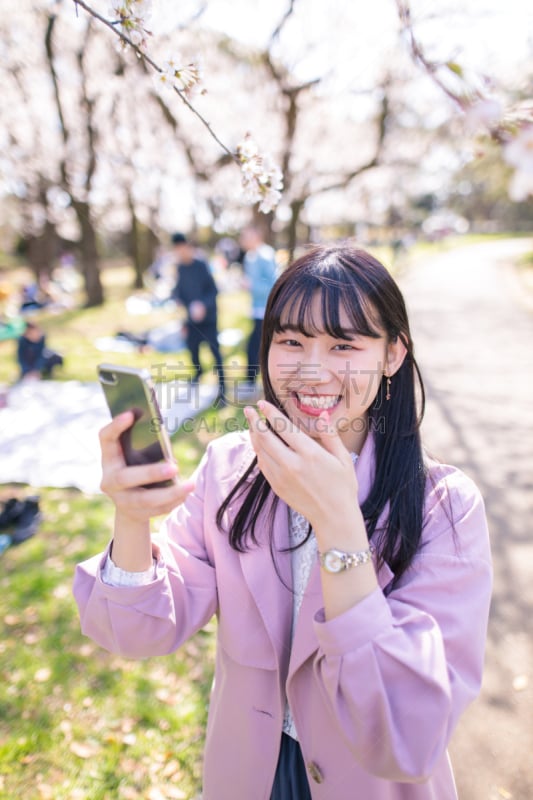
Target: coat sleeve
(397, 671)
(156, 618)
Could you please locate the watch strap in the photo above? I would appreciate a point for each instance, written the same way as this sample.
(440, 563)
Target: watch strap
(343, 560)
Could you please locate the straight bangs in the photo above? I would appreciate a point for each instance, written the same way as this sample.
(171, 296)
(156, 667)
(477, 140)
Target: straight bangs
(338, 291)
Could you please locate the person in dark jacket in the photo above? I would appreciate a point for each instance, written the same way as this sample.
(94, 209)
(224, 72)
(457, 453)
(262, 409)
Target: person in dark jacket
(197, 291)
(35, 359)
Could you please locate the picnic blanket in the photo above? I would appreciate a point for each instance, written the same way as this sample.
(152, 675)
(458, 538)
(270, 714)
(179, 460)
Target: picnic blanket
(49, 429)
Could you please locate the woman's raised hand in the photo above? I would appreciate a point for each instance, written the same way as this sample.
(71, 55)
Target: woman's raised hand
(315, 477)
(125, 485)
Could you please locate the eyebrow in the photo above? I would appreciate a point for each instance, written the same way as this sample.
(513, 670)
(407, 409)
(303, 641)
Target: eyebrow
(347, 332)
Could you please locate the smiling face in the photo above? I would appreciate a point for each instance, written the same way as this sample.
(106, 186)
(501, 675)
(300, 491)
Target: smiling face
(334, 326)
(312, 369)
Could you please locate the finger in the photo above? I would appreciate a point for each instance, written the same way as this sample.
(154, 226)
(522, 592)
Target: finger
(329, 437)
(118, 425)
(137, 476)
(264, 440)
(272, 454)
(157, 501)
(291, 434)
(110, 433)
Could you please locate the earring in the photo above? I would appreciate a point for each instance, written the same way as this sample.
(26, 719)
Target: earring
(387, 396)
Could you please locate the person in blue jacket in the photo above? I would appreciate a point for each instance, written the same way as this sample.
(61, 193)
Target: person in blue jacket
(260, 270)
(34, 358)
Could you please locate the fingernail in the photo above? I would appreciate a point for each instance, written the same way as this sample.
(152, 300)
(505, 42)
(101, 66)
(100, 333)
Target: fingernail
(188, 486)
(168, 470)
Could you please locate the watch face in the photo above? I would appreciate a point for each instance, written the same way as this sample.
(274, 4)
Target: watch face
(332, 561)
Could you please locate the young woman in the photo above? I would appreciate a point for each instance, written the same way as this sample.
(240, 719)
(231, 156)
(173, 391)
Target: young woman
(350, 573)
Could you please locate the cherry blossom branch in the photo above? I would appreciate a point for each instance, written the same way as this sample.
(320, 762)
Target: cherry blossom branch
(432, 68)
(512, 128)
(142, 54)
(261, 179)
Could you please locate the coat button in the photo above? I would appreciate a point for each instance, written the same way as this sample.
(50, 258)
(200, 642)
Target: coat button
(315, 773)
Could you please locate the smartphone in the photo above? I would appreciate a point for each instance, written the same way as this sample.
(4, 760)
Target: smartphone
(147, 440)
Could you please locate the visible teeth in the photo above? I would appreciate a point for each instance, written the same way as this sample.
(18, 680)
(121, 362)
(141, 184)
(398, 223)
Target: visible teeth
(318, 401)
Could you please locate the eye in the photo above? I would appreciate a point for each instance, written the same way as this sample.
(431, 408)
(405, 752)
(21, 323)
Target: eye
(344, 346)
(285, 340)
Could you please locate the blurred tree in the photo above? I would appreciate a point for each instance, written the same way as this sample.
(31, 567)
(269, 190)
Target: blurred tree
(93, 145)
(78, 184)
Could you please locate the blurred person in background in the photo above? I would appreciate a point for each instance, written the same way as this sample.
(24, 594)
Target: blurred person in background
(260, 269)
(35, 359)
(197, 291)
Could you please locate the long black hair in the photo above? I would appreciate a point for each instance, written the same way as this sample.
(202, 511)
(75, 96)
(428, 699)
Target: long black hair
(351, 279)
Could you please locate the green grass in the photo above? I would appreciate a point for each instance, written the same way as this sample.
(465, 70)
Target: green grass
(75, 721)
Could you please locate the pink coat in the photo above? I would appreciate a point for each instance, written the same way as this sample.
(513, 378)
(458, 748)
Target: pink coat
(375, 693)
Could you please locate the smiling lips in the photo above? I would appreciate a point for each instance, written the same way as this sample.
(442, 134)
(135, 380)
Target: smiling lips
(314, 404)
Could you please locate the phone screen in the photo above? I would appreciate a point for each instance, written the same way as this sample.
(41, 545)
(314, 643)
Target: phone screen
(125, 390)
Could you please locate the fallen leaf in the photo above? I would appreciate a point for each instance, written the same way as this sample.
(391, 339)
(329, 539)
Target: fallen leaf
(155, 794)
(128, 793)
(84, 749)
(174, 793)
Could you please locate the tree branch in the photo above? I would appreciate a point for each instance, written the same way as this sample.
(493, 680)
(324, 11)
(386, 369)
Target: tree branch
(59, 106)
(146, 58)
(430, 67)
(172, 121)
(89, 107)
(292, 94)
(382, 121)
(277, 31)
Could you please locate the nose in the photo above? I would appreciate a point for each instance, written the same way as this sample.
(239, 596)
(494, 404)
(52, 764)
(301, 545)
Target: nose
(312, 369)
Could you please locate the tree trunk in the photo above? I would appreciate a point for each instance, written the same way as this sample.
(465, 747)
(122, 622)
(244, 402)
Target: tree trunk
(90, 263)
(151, 243)
(142, 245)
(135, 246)
(42, 251)
(292, 228)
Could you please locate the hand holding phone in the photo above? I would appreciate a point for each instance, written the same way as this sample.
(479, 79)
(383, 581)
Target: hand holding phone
(136, 456)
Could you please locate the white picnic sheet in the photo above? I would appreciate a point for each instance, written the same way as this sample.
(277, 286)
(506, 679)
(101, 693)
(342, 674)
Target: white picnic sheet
(49, 429)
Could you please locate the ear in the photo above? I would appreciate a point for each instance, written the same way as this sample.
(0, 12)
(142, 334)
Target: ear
(396, 352)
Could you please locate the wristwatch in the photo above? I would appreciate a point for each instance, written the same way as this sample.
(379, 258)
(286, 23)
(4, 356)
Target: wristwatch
(334, 560)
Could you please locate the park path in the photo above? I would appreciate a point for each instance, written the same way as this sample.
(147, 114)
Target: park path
(472, 324)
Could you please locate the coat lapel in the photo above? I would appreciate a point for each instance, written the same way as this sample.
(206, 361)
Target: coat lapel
(271, 591)
(305, 641)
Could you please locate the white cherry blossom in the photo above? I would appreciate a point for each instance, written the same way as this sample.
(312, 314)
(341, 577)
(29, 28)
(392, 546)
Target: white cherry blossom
(483, 114)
